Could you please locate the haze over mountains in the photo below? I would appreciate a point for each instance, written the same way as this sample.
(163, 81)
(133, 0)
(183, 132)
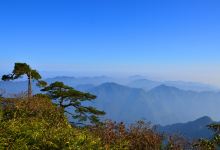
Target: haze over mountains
(192, 86)
(161, 105)
(191, 130)
(137, 98)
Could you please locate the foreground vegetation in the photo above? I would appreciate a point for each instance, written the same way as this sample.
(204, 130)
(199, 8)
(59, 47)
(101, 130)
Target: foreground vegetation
(37, 123)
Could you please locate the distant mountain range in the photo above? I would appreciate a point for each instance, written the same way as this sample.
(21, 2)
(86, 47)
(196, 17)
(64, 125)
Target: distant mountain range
(191, 130)
(188, 86)
(133, 82)
(161, 105)
(141, 99)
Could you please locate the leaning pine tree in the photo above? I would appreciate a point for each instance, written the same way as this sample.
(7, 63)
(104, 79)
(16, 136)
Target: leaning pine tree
(70, 99)
(21, 69)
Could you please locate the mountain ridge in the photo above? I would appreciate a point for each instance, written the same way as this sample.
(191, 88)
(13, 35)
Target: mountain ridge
(191, 130)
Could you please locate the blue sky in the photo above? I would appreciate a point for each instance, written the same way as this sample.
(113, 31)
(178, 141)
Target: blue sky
(173, 39)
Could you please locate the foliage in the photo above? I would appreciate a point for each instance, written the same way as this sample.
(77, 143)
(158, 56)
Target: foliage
(212, 144)
(38, 124)
(139, 136)
(177, 142)
(67, 96)
(21, 69)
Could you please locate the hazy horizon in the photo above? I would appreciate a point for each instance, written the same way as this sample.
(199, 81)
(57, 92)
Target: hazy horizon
(123, 78)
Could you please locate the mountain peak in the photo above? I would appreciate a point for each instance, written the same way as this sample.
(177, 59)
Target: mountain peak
(191, 130)
(111, 85)
(205, 119)
(164, 87)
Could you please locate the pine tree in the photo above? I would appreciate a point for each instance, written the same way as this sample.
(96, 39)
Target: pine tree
(21, 69)
(67, 97)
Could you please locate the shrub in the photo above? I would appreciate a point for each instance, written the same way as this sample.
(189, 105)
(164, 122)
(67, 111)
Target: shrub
(139, 136)
(38, 124)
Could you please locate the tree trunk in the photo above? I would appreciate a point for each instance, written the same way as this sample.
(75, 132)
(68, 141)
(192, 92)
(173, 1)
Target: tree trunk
(29, 86)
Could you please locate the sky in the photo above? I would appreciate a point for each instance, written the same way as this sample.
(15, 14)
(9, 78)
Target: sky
(166, 39)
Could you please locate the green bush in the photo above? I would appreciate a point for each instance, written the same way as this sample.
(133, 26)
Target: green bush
(38, 124)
